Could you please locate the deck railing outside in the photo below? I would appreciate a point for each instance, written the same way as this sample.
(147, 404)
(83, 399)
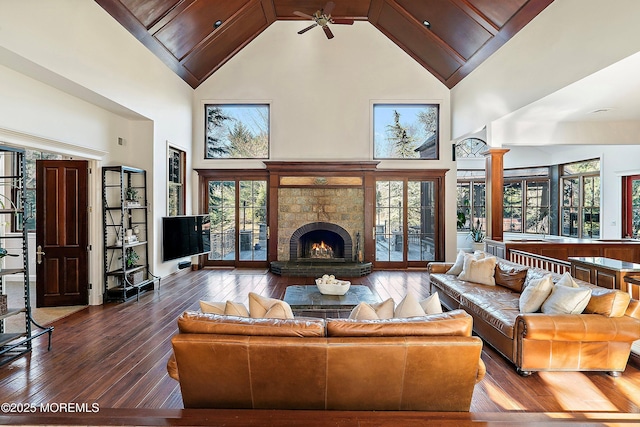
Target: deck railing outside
(534, 260)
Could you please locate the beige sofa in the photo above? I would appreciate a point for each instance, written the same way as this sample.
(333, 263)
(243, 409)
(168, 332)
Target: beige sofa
(424, 364)
(600, 339)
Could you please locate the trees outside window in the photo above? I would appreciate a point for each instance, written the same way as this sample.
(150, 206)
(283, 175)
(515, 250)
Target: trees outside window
(237, 131)
(580, 198)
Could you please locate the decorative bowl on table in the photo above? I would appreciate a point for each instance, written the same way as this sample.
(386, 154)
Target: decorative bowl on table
(329, 285)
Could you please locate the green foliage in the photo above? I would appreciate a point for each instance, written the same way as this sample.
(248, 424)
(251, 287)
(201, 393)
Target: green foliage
(476, 233)
(131, 257)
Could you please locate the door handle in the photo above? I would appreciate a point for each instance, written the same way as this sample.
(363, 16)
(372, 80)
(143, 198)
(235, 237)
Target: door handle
(39, 254)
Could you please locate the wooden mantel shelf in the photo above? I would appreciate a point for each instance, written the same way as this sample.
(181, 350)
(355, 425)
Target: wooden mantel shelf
(321, 166)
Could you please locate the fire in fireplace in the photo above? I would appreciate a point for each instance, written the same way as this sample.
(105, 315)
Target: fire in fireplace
(321, 250)
(321, 240)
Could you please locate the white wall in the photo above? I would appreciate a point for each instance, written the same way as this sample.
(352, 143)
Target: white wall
(566, 42)
(98, 83)
(321, 94)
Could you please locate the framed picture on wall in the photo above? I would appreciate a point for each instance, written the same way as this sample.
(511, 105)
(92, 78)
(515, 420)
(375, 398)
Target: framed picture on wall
(236, 131)
(405, 131)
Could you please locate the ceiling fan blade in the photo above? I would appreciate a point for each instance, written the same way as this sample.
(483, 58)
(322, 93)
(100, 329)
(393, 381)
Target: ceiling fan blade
(328, 32)
(307, 29)
(342, 21)
(303, 15)
(328, 8)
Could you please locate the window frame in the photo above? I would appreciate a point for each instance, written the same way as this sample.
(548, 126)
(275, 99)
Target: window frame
(234, 109)
(181, 183)
(579, 176)
(430, 142)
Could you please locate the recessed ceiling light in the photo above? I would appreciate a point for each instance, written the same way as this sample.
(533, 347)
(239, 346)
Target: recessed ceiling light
(426, 23)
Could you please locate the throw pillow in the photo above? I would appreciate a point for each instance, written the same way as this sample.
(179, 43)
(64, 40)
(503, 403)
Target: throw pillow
(456, 268)
(535, 293)
(510, 276)
(229, 308)
(365, 311)
(480, 271)
(567, 280)
(271, 308)
(409, 307)
(608, 302)
(566, 300)
(431, 305)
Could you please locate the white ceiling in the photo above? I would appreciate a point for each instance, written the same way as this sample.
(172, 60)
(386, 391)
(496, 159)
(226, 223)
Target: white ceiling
(609, 95)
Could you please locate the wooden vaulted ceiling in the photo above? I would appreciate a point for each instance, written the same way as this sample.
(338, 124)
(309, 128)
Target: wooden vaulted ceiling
(461, 33)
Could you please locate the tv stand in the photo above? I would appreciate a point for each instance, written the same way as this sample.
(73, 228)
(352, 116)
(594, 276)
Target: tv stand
(125, 231)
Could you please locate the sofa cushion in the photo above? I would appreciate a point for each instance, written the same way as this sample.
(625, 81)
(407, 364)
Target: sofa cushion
(451, 323)
(566, 300)
(510, 276)
(230, 308)
(535, 293)
(192, 322)
(479, 270)
(457, 266)
(366, 311)
(495, 305)
(272, 308)
(411, 307)
(608, 302)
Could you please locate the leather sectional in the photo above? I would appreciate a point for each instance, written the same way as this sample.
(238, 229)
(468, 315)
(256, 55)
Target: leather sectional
(596, 340)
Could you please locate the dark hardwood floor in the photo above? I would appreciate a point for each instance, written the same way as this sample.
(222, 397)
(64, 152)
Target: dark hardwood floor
(114, 357)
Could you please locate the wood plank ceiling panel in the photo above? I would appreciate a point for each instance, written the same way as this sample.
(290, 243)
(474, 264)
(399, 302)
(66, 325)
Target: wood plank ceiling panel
(224, 44)
(194, 24)
(461, 33)
(358, 9)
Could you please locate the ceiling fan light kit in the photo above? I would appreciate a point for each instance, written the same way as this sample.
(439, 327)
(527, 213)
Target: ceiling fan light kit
(322, 18)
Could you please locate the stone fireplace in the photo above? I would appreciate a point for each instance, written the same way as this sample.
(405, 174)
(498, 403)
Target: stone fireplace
(320, 218)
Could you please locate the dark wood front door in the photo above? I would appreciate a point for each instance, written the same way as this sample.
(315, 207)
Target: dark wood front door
(62, 238)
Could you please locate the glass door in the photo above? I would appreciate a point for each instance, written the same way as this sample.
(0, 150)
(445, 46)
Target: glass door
(238, 210)
(406, 232)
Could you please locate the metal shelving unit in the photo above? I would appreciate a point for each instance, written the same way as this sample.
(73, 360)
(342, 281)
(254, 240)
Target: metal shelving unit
(14, 344)
(125, 229)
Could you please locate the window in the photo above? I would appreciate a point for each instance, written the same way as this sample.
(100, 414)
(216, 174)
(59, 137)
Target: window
(237, 131)
(31, 157)
(405, 131)
(470, 148)
(471, 199)
(176, 182)
(580, 210)
(631, 212)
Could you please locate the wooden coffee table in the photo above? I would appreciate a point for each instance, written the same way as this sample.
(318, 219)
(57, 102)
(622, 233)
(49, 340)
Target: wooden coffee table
(306, 300)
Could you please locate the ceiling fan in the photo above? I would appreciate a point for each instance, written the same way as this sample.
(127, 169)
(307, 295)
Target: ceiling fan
(323, 18)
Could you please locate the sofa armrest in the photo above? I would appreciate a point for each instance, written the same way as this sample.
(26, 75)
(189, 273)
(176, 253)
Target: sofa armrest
(482, 371)
(577, 327)
(439, 267)
(172, 367)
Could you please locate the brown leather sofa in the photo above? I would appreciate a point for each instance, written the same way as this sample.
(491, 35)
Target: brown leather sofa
(429, 363)
(537, 341)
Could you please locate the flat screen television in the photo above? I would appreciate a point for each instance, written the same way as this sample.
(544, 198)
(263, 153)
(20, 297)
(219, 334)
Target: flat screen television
(185, 235)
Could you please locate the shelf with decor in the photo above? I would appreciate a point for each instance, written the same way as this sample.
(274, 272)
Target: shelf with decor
(15, 337)
(125, 227)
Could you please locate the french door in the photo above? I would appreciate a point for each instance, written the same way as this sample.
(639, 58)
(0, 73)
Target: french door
(238, 211)
(406, 215)
(631, 206)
